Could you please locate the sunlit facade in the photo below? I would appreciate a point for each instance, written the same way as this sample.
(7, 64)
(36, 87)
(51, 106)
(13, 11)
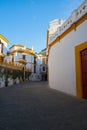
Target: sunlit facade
(3, 47)
(16, 64)
(67, 54)
(42, 67)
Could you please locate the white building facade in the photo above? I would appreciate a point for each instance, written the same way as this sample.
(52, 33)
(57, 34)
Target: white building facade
(3, 45)
(42, 66)
(40, 71)
(65, 48)
(3, 52)
(19, 52)
(54, 24)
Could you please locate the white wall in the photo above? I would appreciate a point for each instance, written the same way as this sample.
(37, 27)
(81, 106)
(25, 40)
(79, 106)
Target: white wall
(17, 56)
(28, 66)
(28, 58)
(4, 49)
(53, 25)
(61, 60)
(39, 62)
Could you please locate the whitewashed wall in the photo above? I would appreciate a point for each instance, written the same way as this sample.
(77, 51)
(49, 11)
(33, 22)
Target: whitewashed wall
(28, 66)
(17, 56)
(61, 60)
(38, 67)
(28, 58)
(76, 14)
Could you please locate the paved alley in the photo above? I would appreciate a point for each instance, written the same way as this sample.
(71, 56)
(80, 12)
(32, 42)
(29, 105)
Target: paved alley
(35, 106)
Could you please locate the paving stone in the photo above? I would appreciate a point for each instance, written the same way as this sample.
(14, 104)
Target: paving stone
(35, 106)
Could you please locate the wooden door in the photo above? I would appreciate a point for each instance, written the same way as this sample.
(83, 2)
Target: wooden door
(84, 72)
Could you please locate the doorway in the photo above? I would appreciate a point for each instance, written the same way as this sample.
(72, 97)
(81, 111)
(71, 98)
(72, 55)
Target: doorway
(81, 70)
(83, 54)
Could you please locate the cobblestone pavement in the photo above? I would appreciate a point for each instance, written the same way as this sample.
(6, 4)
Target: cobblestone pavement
(35, 106)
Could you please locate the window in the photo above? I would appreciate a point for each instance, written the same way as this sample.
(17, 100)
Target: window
(12, 58)
(43, 68)
(24, 57)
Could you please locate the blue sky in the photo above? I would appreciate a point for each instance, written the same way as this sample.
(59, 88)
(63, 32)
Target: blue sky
(25, 22)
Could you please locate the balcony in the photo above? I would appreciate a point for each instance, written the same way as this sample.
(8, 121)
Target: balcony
(22, 61)
(10, 65)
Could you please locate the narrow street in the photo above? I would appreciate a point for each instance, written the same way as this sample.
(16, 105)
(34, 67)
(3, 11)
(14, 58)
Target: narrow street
(35, 106)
